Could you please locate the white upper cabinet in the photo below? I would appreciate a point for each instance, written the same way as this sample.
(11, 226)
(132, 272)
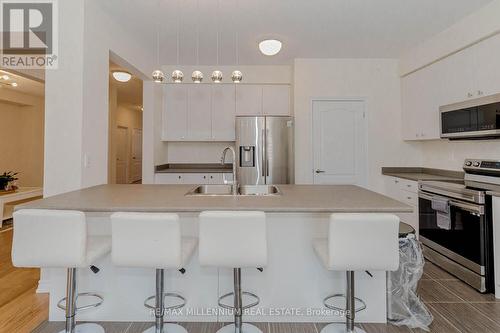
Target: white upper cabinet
(248, 100)
(487, 66)
(206, 112)
(199, 120)
(269, 100)
(223, 108)
(470, 73)
(420, 111)
(457, 82)
(174, 118)
(276, 100)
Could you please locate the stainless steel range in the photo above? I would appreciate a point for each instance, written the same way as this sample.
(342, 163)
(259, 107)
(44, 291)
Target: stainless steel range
(455, 223)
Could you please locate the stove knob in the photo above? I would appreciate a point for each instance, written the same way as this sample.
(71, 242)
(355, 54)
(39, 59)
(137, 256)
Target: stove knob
(468, 163)
(476, 164)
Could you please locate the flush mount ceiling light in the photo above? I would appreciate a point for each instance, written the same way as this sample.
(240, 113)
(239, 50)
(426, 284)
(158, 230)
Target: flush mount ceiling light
(122, 76)
(270, 47)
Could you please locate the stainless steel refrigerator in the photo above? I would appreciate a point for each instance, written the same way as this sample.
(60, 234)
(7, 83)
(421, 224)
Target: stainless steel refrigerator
(264, 149)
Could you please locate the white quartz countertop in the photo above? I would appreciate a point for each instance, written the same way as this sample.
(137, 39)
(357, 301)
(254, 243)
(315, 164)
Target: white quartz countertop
(172, 198)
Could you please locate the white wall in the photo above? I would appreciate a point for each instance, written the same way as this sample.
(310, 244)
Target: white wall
(375, 80)
(21, 132)
(77, 92)
(444, 154)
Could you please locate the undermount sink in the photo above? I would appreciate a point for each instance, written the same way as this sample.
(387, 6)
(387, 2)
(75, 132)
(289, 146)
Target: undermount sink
(226, 190)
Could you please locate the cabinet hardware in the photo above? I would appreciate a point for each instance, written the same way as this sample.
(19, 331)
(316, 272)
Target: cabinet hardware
(320, 171)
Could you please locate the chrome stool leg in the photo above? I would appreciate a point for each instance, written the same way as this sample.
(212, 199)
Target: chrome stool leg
(350, 309)
(159, 308)
(239, 326)
(71, 308)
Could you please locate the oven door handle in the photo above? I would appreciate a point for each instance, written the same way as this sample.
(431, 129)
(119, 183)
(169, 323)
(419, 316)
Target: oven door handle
(476, 209)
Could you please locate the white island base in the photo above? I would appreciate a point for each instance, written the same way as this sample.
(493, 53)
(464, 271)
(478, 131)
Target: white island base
(291, 288)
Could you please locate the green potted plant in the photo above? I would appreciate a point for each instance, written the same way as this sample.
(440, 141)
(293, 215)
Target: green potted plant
(7, 181)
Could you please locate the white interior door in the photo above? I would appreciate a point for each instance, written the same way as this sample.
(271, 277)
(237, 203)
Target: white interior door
(339, 142)
(121, 154)
(136, 164)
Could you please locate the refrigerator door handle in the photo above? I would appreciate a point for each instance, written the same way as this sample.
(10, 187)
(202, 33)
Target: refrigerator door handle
(267, 155)
(264, 153)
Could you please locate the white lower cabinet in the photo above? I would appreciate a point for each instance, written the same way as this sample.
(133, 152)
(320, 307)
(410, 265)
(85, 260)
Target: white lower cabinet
(192, 178)
(405, 191)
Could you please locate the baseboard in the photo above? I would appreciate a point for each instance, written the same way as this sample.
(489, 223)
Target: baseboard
(43, 287)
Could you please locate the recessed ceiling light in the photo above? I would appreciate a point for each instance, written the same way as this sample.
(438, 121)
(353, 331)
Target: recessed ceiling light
(122, 76)
(14, 84)
(270, 47)
(4, 77)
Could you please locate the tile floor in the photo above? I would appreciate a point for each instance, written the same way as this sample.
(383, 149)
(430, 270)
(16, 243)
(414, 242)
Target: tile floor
(456, 308)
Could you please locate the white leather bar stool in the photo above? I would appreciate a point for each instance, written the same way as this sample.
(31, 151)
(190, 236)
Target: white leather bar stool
(234, 239)
(152, 240)
(357, 242)
(58, 239)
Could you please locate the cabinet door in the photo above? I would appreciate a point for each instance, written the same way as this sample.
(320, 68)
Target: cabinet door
(248, 100)
(409, 105)
(420, 104)
(223, 106)
(427, 117)
(174, 113)
(199, 121)
(169, 178)
(487, 66)
(276, 100)
(458, 77)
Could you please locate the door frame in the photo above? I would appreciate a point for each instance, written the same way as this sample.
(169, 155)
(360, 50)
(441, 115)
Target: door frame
(364, 175)
(127, 160)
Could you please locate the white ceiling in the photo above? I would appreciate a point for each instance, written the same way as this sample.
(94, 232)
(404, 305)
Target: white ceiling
(308, 28)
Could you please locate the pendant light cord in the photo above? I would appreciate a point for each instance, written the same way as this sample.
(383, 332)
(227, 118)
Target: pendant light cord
(178, 28)
(197, 32)
(237, 37)
(158, 27)
(218, 29)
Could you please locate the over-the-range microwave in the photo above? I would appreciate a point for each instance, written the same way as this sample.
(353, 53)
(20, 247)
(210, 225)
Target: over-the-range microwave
(473, 119)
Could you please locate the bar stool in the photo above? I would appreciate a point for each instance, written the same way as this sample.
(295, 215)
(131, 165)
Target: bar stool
(357, 242)
(234, 239)
(58, 239)
(152, 240)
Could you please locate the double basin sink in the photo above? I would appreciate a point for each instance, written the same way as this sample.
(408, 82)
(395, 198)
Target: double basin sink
(226, 190)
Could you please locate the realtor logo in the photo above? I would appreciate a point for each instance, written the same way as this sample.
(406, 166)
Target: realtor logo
(29, 34)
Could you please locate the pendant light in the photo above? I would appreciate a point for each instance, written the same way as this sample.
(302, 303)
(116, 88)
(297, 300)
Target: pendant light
(178, 75)
(158, 75)
(197, 76)
(217, 75)
(237, 76)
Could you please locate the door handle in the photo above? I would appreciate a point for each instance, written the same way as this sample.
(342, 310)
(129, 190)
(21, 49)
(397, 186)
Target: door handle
(320, 171)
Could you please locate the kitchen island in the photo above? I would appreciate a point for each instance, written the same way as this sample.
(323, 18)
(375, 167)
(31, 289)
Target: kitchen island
(291, 287)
